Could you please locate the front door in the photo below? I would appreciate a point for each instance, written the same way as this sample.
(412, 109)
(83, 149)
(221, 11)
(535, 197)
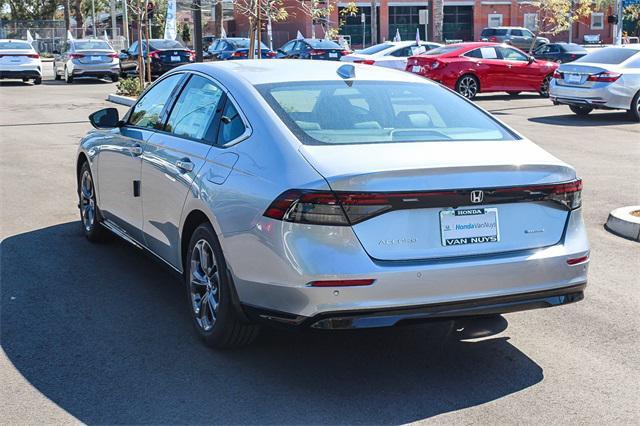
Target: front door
(520, 74)
(172, 160)
(119, 161)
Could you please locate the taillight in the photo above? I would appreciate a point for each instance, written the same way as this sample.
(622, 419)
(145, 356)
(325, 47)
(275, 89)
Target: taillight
(577, 260)
(112, 55)
(33, 56)
(557, 75)
(76, 55)
(239, 54)
(155, 54)
(605, 77)
(493, 39)
(365, 61)
(344, 208)
(271, 54)
(314, 52)
(345, 52)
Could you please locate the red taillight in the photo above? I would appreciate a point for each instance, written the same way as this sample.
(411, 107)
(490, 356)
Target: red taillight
(240, 54)
(365, 61)
(605, 77)
(155, 54)
(557, 75)
(76, 55)
(345, 52)
(344, 208)
(112, 55)
(315, 52)
(271, 54)
(577, 260)
(493, 39)
(340, 283)
(34, 56)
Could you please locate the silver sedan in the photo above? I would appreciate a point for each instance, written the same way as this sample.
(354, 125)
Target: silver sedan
(607, 78)
(86, 58)
(333, 196)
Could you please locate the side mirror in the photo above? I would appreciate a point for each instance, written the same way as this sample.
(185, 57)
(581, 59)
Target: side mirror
(107, 118)
(531, 59)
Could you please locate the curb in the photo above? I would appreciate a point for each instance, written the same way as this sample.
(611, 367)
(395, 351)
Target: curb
(622, 223)
(121, 100)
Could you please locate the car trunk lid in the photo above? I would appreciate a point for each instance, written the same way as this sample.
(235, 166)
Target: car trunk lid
(431, 186)
(88, 57)
(582, 75)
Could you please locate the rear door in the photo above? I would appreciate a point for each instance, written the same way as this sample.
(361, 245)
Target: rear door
(119, 160)
(491, 69)
(173, 159)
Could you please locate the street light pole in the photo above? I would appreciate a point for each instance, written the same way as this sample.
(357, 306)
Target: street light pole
(93, 17)
(197, 29)
(125, 22)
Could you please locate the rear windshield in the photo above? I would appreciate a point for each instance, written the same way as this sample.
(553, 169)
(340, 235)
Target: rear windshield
(444, 49)
(244, 44)
(494, 32)
(331, 112)
(375, 49)
(323, 44)
(608, 55)
(5, 45)
(165, 44)
(573, 48)
(92, 44)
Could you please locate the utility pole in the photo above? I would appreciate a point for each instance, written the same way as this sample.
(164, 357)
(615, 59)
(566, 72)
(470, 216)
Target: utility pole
(149, 14)
(140, 11)
(571, 22)
(374, 22)
(618, 28)
(259, 34)
(114, 25)
(93, 18)
(125, 22)
(197, 29)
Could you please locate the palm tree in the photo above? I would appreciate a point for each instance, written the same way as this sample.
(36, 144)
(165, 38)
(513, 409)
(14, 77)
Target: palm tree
(438, 18)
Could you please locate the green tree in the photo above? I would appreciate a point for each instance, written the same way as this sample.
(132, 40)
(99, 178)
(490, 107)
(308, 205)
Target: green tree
(557, 16)
(30, 9)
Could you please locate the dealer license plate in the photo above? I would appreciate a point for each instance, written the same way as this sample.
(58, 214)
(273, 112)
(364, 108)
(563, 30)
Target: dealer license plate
(333, 55)
(96, 58)
(469, 226)
(573, 78)
(175, 59)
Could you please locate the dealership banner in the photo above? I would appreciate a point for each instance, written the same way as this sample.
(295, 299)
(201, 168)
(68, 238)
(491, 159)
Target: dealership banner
(170, 25)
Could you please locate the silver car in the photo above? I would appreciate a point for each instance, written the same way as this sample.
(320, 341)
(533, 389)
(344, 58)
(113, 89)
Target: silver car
(607, 78)
(86, 58)
(333, 196)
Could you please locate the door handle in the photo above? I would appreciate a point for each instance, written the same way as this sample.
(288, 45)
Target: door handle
(185, 165)
(136, 150)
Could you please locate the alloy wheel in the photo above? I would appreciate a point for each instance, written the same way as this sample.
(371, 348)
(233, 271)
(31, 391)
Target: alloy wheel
(204, 285)
(468, 87)
(87, 201)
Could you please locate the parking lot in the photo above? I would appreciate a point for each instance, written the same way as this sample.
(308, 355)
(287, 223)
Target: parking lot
(101, 333)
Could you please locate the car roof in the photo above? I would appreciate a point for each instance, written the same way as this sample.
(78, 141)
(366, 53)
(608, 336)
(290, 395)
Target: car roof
(256, 71)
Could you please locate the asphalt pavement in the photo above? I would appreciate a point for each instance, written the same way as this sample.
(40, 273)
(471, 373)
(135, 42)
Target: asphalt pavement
(101, 333)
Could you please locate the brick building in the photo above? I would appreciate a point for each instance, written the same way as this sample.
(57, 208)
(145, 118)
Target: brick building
(463, 20)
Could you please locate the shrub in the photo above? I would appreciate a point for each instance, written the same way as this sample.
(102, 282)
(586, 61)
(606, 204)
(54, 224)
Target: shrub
(129, 87)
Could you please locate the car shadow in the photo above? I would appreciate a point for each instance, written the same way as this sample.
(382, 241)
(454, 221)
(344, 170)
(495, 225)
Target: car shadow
(76, 81)
(15, 83)
(104, 332)
(596, 118)
(506, 97)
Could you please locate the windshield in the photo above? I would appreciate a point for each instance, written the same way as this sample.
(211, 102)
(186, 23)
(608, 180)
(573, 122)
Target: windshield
(378, 112)
(494, 32)
(375, 49)
(165, 44)
(10, 45)
(572, 47)
(244, 44)
(442, 50)
(91, 45)
(323, 44)
(608, 55)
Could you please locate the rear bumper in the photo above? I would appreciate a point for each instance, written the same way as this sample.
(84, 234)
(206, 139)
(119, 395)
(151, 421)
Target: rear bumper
(375, 318)
(600, 96)
(30, 73)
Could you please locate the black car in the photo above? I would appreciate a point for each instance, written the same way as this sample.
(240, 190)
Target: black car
(312, 48)
(165, 55)
(560, 52)
(235, 48)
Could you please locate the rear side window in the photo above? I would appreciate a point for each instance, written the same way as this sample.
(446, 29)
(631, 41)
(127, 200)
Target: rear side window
(444, 49)
(375, 48)
(231, 125)
(516, 33)
(608, 55)
(195, 108)
(488, 32)
(475, 53)
(378, 112)
(146, 113)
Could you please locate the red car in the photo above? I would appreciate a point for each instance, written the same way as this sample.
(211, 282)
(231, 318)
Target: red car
(472, 68)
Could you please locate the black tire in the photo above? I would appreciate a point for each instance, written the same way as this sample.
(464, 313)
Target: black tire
(634, 112)
(468, 86)
(582, 111)
(37, 81)
(67, 77)
(513, 93)
(544, 86)
(209, 285)
(25, 80)
(115, 78)
(56, 76)
(91, 225)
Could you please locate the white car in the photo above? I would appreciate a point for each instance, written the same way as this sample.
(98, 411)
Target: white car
(19, 60)
(389, 54)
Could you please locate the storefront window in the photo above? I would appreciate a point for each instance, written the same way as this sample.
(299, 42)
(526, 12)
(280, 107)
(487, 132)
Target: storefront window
(406, 19)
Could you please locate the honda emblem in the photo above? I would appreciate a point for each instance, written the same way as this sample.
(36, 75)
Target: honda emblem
(477, 196)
